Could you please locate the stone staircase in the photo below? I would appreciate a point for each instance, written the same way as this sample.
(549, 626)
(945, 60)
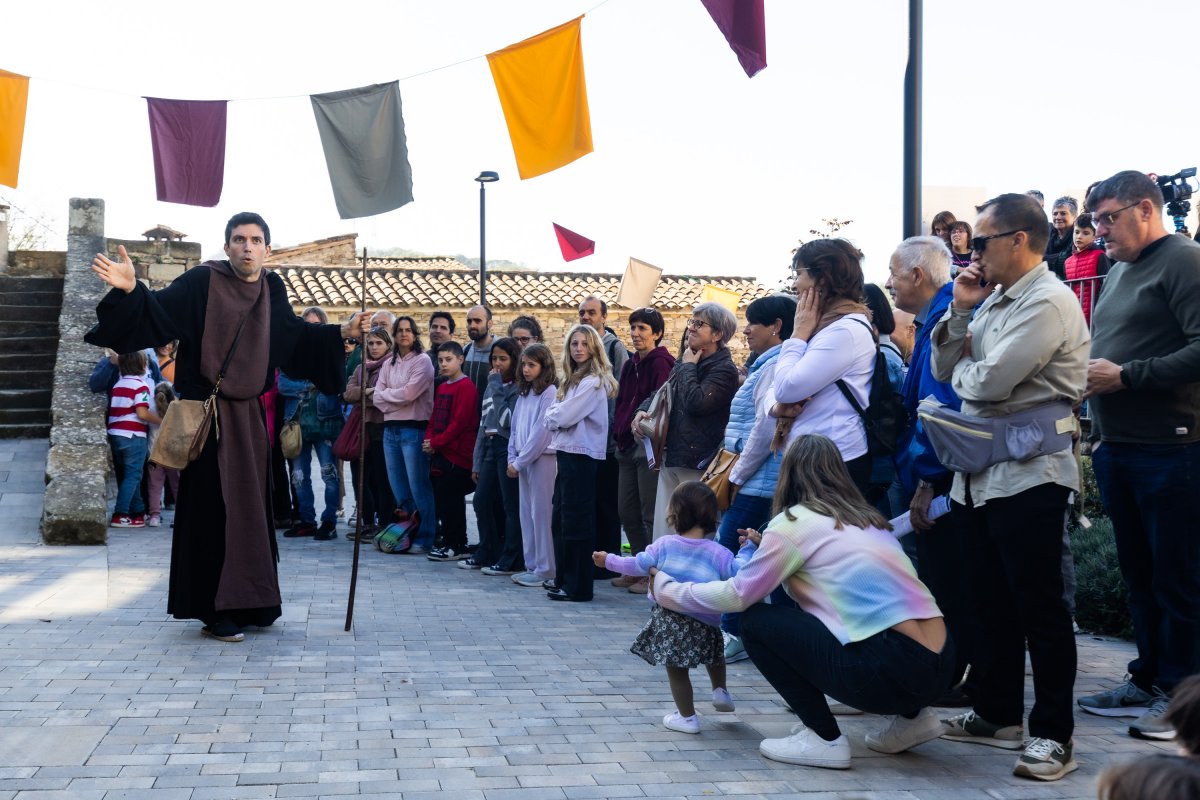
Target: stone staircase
(29, 312)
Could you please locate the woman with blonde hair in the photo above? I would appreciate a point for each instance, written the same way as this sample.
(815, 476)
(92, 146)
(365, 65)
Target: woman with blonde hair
(578, 425)
(865, 630)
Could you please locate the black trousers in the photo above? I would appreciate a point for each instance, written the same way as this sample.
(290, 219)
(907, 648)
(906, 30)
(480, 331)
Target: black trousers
(574, 526)
(942, 565)
(451, 485)
(888, 673)
(1014, 563)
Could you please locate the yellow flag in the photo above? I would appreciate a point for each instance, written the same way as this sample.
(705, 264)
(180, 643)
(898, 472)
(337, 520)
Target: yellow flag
(14, 95)
(723, 296)
(542, 91)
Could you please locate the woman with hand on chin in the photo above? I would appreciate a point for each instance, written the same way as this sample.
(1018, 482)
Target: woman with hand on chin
(832, 340)
(866, 631)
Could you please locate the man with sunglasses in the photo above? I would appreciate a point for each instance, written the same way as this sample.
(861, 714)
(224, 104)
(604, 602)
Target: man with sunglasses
(1026, 346)
(1144, 385)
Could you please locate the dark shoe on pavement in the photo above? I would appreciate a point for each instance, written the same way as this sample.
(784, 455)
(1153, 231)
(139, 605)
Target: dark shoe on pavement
(971, 728)
(327, 531)
(300, 529)
(1126, 700)
(223, 630)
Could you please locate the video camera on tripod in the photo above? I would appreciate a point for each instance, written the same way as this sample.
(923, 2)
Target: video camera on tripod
(1176, 191)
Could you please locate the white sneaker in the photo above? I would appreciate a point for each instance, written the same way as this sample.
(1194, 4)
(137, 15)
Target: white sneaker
(722, 700)
(808, 749)
(677, 722)
(903, 734)
(734, 650)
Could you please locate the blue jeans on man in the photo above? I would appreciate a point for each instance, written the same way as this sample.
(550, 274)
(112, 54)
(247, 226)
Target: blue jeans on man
(408, 474)
(301, 471)
(1148, 491)
(129, 457)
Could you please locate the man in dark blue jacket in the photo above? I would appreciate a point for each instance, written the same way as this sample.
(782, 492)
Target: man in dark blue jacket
(919, 280)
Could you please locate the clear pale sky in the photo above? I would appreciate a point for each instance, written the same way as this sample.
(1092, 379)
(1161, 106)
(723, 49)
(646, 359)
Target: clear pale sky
(696, 169)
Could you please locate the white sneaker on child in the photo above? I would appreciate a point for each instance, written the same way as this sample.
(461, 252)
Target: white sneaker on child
(677, 722)
(722, 700)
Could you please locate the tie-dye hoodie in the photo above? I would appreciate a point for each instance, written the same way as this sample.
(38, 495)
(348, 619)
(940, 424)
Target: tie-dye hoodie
(857, 582)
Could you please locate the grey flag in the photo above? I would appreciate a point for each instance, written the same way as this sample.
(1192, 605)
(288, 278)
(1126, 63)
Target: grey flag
(362, 133)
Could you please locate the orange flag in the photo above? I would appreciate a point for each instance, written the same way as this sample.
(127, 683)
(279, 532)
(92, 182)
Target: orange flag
(542, 91)
(14, 95)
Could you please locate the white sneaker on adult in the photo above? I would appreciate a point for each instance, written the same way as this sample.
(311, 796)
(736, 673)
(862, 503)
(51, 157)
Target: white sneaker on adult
(677, 722)
(903, 734)
(808, 749)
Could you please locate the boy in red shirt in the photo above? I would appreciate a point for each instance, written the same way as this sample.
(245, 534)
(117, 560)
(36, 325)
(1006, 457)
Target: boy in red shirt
(1089, 261)
(450, 443)
(129, 418)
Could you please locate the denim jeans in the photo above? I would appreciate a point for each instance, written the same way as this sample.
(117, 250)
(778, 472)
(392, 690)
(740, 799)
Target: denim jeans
(408, 474)
(1148, 491)
(301, 479)
(887, 673)
(746, 511)
(129, 455)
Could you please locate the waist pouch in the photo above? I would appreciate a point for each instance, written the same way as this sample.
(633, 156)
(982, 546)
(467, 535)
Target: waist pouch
(968, 444)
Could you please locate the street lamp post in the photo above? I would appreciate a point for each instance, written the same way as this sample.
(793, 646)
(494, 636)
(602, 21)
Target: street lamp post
(484, 179)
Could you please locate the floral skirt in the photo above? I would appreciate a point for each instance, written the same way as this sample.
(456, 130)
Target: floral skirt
(675, 640)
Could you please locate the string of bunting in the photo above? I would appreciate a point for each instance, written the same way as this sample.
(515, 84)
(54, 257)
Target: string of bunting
(539, 81)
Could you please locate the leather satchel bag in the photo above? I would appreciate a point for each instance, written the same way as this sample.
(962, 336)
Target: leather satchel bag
(654, 425)
(187, 423)
(290, 439)
(716, 476)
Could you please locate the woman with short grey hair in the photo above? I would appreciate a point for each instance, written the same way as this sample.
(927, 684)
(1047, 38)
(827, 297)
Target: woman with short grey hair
(1061, 243)
(703, 382)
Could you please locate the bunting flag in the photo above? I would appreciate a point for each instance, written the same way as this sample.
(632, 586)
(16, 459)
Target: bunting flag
(745, 28)
(573, 245)
(638, 284)
(544, 98)
(188, 138)
(362, 133)
(14, 96)
(721, 296)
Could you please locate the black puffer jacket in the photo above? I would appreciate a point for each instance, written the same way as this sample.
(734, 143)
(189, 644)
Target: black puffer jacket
(701, 394)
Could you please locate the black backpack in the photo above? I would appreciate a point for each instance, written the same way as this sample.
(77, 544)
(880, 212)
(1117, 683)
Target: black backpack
(885, 417)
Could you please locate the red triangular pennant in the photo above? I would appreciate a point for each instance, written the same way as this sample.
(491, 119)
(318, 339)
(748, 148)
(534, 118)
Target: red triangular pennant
(573, 245)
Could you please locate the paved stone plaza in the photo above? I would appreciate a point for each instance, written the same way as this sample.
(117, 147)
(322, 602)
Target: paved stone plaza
(451, 684)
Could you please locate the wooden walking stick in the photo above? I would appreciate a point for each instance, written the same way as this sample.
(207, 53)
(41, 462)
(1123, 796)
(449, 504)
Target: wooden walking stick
(362, 448)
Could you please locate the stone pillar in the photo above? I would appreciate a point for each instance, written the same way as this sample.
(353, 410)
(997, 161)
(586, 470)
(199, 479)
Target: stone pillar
(3, 238)
(78, 465)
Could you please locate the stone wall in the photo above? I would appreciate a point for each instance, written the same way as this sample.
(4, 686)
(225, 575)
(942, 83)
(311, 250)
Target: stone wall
(555, 324)
(158, 262)
(75, 510)
(50, 263)
(334, 251)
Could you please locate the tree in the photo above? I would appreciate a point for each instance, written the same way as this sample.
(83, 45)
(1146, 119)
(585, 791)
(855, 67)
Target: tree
(833, 225)
(28, 231)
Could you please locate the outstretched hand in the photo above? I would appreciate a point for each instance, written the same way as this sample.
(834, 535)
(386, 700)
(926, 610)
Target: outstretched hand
(117, 274)
(598, 558)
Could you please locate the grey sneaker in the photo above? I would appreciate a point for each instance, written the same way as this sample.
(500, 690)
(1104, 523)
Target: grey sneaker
(1045, 760)
(734, 650)
(1153, 724)
(971, 728)
(1126, 700)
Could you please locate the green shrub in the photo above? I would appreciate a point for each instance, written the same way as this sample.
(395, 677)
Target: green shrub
(1101, 602)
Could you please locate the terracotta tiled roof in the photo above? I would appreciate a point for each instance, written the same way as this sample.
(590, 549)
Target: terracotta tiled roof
(446, 282)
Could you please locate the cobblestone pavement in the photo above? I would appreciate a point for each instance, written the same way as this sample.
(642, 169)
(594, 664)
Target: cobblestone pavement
(451, 684)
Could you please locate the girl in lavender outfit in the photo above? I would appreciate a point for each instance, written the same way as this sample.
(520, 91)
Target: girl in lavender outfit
(676, 640)
(531, 462)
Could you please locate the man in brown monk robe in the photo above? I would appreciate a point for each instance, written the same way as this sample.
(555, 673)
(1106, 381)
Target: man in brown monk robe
(224, 553)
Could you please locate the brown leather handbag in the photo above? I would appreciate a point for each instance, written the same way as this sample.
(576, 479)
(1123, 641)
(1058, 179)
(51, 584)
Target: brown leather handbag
(716, 476)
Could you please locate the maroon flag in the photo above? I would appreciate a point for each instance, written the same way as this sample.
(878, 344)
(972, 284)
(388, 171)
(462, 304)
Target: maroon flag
(573, 245)
(188, 137)
(745, 28)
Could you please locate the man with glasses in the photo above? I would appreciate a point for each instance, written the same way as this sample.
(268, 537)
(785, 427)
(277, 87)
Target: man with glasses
(1144, 390)
(1026, 346)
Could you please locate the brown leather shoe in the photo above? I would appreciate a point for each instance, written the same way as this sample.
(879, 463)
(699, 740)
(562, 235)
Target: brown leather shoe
(640, 587)
(624, 581)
